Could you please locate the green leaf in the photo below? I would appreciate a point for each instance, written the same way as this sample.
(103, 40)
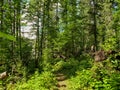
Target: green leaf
(9, 37)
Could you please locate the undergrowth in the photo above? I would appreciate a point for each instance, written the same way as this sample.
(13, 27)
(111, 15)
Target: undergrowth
(38, 81)
(101, 76)
(82, 74)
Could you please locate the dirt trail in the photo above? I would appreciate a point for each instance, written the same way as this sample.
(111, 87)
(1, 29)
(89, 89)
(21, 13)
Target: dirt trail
(62, 81)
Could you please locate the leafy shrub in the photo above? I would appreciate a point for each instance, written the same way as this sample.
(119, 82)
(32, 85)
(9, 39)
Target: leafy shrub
(80, 81)
(110, 44)
(58, 66)
(102, 76)
(43, 81)
(68, 67)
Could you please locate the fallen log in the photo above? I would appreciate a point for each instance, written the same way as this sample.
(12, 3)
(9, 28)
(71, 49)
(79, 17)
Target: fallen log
(102, 55)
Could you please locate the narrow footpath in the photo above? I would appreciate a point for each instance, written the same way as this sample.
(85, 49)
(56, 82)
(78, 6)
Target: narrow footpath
(62, 81)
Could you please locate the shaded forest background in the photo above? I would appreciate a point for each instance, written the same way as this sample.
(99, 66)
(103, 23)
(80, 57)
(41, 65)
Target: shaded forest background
(80, 38)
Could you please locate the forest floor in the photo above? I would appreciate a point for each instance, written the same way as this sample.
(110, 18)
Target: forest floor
(62, 81)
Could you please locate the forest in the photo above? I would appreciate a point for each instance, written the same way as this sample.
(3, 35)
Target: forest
(59, 44)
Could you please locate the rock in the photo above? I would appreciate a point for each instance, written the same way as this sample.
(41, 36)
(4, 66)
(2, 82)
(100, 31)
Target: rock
(3, 75)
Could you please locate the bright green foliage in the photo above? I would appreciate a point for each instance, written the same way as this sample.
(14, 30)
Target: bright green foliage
(43, 81)
(9, 37)
(110, 44)
(80, 81)
(102, 76)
